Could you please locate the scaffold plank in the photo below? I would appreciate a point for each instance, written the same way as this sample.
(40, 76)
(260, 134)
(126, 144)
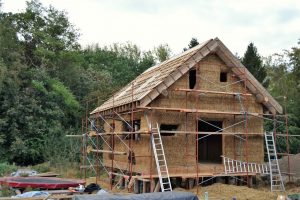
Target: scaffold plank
(107, 151)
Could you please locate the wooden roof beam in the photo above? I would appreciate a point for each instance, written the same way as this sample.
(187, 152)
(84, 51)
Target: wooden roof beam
(211, 133)
(212, 92)
(197, 111)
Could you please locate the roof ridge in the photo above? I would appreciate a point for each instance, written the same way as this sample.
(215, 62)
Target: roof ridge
(177, 56)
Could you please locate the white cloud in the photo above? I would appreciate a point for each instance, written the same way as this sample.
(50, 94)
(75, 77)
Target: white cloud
(272, 25)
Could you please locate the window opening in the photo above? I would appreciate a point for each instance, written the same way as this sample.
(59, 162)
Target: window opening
(223, 77)
(192, 78)
(169, 128)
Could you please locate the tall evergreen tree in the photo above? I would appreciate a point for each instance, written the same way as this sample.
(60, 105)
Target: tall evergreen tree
(252, 60)
(194, 42)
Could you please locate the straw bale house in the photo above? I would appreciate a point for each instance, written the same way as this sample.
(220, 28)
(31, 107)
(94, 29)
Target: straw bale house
(205, 103)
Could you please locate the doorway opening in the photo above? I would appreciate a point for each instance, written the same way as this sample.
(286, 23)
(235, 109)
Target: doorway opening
(209, 147)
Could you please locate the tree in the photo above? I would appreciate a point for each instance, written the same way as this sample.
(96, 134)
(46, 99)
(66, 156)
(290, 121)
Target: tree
(44, 74)
(284, 86)
(121, 62)
(43, 33)
(194, 42)
(253, 62)
(35, 103)
(162, 52)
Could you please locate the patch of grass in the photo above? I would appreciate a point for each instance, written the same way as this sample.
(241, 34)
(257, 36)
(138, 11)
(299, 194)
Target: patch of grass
(42, 168)
(6, 169)
(6, 191)
(23, 175)
(66, 170)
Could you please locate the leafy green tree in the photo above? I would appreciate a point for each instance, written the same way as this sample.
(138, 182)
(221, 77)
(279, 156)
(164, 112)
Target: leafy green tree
(162, 52)
(44, 74)
(284, 86)
(34, 103)
(254, 64)
(123, 62)
(42, 33)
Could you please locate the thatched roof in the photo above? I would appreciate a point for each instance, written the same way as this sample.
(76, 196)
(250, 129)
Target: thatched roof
(155, 80)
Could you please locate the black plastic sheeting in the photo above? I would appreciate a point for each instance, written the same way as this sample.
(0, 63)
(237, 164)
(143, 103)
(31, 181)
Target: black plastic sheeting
(153, 196)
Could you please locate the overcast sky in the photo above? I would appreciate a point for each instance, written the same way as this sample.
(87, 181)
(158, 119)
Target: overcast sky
(273, 25)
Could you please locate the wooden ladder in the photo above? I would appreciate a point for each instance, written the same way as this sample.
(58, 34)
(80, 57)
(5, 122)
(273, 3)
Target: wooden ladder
(160, 159)
(275, 174)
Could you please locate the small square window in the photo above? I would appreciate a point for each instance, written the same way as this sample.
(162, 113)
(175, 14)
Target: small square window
(223, 77)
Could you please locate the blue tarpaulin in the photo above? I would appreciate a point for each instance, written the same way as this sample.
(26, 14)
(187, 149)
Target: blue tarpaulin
(153, 196)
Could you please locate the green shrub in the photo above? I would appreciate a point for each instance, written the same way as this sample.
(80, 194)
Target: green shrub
(23, 174)
(6, 191)
(7, 169)
(42, 168)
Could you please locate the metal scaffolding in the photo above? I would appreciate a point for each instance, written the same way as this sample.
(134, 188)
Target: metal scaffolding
(98, 141)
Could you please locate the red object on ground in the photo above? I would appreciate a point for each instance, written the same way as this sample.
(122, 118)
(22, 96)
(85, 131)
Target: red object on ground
(40, 182)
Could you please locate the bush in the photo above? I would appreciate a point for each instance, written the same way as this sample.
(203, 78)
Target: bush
(7, 169)
(6, 191)
(42, 168)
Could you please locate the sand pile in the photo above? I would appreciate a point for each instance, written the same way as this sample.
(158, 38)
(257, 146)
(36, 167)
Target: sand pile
(223, 191)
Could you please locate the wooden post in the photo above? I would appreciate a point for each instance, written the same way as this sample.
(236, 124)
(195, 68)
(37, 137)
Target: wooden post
(157, 187)
(152, 185)
(122, 182)
(250, 181)
(126, 183)
(183, 183)
(190, 183)
(136, 186)
(144, 186)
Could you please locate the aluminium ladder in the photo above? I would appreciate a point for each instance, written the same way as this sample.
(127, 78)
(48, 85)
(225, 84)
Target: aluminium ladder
(275, 174)
(232, 166)
(161, 164)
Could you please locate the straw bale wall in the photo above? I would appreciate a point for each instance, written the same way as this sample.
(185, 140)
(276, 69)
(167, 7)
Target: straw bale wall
(180, 149)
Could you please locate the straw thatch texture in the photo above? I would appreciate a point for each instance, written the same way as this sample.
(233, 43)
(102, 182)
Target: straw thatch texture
(154, 81)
